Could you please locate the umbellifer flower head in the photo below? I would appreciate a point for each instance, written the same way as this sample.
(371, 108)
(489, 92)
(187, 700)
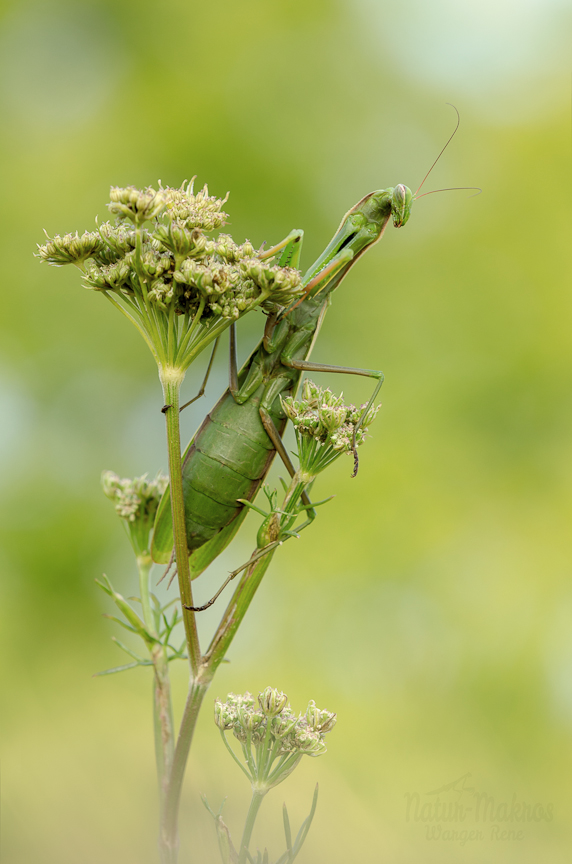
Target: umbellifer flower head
(71, 248)
(273, 738)
(180, 286)
(136, 502)
(325, 427)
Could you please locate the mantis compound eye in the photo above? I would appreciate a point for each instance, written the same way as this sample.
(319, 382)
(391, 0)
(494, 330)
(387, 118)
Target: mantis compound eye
(401, 204)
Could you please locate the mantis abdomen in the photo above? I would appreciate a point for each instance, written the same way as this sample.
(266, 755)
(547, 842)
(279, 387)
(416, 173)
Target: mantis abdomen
(228, 458)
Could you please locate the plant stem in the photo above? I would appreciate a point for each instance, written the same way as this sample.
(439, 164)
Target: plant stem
(168, 838)
(255, 803)
(163, 722)
(203, 668)
(144, 564)
(246, 589)
(162, 708)
(171, 379)
(235, 612)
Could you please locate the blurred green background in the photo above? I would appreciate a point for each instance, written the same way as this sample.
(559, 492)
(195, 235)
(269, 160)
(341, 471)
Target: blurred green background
(431, 604)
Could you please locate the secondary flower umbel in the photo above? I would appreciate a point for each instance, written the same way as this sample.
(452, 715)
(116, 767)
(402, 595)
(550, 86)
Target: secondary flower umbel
(325, 427)
(136, 502)
(272, 736)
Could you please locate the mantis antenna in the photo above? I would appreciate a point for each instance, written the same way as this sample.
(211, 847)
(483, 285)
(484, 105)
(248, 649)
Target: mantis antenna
(449, 188)
(449, 139)
(452, 189)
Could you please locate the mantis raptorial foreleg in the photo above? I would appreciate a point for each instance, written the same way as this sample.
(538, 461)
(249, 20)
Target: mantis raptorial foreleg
(290, 247)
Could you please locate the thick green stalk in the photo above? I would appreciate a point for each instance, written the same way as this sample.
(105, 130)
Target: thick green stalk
(235, 612)
(171, 379)
(168, 841)
(255, 803)
(246, 588)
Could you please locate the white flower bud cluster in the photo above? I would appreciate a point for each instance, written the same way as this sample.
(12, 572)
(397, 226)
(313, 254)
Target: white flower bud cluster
(323, 416)
(71, 248)
(135, 499)
(272, 726)
(195, 211)
(230, 251)
(176, 263)
(138, 205)
(118, 241)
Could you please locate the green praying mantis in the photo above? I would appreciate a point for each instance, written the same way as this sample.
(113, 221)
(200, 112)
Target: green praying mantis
(227, 460)
(230, 455)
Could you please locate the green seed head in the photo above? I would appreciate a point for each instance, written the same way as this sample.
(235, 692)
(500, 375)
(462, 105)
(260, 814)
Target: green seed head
(309, 741)
(322, 721)
(224, 715)
(249, 719)
(195, 211)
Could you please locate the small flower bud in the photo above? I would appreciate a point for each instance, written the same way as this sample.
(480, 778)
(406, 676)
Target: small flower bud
(321, 721)
(224, 715)
(181, 240)
(290, 407)
(272, 701)
(135, 204)
(310, 742)
(283, 724)
(311, 393)
(237, 700)
(249, 719)
(332, 418)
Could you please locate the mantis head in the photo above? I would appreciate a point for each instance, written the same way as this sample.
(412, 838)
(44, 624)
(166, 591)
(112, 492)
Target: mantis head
(401, 200)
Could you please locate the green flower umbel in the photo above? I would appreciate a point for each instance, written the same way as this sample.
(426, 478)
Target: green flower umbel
(272, 736)
(158, 265)
(136, 502)
(273, 740)
(325, 427)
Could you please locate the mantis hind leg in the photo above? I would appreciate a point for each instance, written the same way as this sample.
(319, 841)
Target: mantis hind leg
(256, 555)
(276, 439)
(205, 379)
